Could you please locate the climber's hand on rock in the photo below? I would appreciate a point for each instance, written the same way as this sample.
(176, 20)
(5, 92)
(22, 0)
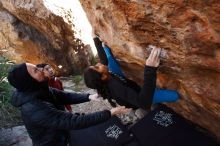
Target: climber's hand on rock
(103, 44)
(154, 59)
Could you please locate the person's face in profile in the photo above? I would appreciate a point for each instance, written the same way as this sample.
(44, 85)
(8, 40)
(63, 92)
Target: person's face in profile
(35, 73)
(48, 71)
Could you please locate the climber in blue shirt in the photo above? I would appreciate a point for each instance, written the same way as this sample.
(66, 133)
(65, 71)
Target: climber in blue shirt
(124, 91)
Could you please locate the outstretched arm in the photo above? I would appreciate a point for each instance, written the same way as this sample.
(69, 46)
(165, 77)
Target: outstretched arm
(63, 97)
(100, 50)
(46, 115)
(148, 89)
(106, 57)
(146, 94)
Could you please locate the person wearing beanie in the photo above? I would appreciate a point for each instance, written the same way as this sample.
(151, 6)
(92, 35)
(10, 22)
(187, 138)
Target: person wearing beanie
(20, 78)
(53, 81)
(46, 124)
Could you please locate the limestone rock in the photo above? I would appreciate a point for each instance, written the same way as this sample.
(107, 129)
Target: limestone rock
(31, 32)
(189, 33)
(15, 136)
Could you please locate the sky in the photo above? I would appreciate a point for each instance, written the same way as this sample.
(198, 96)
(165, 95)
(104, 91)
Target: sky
(77, 17)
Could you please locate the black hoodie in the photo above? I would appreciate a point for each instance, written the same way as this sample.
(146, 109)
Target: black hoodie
(45, 122)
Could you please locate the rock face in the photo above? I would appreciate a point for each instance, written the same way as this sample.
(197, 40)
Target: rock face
(189, 32)
(31, 32)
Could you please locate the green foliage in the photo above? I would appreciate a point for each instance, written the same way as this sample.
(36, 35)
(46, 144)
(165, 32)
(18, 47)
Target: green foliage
(77, 79)
(5, 88)
(10, 115)
(79, 84)
(93, 61)
(5, 92)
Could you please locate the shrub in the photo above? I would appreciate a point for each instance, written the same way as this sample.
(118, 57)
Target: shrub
(5, 88)
(10, 115)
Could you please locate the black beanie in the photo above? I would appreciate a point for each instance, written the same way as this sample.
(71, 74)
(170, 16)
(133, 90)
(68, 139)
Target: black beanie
(19, 78)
